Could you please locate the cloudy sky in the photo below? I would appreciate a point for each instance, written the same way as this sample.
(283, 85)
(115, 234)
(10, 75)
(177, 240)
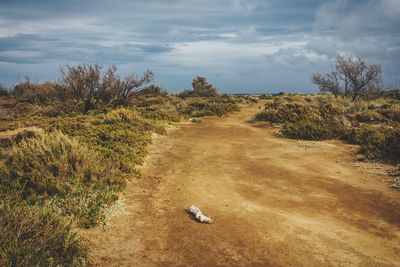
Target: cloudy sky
(238, 45)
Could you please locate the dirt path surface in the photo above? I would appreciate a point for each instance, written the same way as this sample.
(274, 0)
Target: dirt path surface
(274, 201)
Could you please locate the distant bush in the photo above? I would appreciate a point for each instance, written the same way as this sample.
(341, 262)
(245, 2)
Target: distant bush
(201, 88)
(391, 93)
(3, 91)
(36, 236)
(152, 90)
(38, 93)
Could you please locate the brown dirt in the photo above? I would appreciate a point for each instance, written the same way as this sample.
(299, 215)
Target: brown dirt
(274, 201)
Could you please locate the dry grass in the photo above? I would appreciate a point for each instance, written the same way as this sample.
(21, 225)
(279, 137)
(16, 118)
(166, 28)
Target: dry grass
(37, 236)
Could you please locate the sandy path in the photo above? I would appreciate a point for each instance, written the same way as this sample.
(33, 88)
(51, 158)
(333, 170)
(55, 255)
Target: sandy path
(275, 202)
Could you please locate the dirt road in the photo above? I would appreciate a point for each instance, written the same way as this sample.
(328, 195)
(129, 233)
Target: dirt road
(274, 201)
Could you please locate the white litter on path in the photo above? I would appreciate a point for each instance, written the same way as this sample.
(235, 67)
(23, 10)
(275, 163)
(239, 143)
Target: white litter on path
(199, 215)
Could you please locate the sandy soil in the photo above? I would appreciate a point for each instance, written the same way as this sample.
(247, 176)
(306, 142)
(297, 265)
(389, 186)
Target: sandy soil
(274, 201)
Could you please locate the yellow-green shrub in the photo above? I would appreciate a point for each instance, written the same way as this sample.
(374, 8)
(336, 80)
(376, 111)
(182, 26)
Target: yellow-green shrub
(55, 168)
(216, 106)
(37, 236)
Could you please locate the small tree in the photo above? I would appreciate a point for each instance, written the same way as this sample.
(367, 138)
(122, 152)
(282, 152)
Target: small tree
(202, 88)
(352, 77)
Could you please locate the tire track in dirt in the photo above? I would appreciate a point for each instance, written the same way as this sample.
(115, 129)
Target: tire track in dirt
(274, 202)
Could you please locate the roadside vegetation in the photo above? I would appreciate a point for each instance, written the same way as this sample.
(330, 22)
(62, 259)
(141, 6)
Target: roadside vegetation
(353, 108)
(69, 147)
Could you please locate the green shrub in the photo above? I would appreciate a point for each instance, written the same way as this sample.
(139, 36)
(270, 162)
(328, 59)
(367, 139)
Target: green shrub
(286, 109)
(8, 139)
(391, 114)
(391, 93)
(168, 114)
(376, 143)
(53, 167)
(120, 136)
(36, 236)
(309, 130)
(267, 115)
(369, 116)
(218, 106)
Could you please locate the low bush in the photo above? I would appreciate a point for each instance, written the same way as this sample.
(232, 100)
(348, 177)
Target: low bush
(199, 107)
(369, 116)
(376, 143)
(38, 93)
(37, 236)
(307, 130)
(314, 129)
(168, 114)
(287, 109)
(391, 93)
(390, 114)
(152, 90)
(371, 124)
(8, 139)
(55, 168)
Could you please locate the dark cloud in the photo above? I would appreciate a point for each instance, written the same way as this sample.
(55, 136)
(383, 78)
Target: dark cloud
(251, 45)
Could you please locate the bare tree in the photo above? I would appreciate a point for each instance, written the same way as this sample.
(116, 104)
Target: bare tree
(83, 81)
(352, 77)
(89, 85)
(131, 84)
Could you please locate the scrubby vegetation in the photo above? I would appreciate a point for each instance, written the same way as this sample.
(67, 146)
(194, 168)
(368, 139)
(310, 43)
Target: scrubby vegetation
(371, 124)
(37, 236)
(53, 168)
(69, 147)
